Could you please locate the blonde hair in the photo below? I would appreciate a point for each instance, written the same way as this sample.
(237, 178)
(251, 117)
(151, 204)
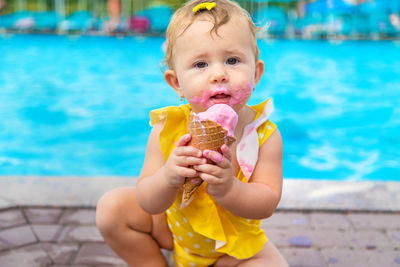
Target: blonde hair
(220, 15)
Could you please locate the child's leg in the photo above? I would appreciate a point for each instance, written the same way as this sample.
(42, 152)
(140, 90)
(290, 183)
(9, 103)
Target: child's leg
(135, 235)
(268, 256)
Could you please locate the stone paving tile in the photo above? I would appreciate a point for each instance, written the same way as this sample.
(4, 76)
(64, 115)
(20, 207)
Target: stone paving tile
(7, 204)
(368, 239)
(30, 256)
(346, 258)
(309, 257)
(9, 218)
(324, 220)
(43, 215)
(307, 238)
(287, 219)
(61, 253)
(375, 221)
(395, 238)
(98, 254)
(79, 216)
(18, 236)
(81, 233)
(47, 232)
(3, 245)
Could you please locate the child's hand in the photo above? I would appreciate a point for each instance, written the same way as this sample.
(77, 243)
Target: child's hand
(176, 169)
(219, 177)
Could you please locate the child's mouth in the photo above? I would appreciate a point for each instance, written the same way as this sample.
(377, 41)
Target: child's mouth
(221, 98)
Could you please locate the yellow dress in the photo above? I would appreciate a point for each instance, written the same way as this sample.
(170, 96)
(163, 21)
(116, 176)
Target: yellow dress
(203, 231)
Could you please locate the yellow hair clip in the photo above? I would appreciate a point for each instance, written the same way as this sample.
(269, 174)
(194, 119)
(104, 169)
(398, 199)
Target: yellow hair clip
(202, 6)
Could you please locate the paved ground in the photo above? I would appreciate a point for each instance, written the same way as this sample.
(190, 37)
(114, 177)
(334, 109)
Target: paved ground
(66, 235)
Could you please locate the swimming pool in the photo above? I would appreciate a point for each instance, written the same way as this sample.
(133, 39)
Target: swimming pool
(79, 105)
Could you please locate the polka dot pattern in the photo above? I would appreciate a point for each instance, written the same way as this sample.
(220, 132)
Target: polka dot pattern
(193, 245)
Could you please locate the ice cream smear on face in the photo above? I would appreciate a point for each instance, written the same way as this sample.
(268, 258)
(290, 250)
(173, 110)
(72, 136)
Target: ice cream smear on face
(224, 95)
(222, 114)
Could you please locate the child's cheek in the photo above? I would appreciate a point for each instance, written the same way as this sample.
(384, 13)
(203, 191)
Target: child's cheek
(241, 94)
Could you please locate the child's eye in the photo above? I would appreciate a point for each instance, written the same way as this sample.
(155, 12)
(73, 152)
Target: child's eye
(201, 65)
(232, 61)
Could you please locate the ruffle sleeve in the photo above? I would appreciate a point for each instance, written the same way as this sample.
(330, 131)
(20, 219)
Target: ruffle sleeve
(175, 125)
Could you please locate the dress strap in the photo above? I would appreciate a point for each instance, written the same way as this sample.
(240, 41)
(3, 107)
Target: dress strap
(247, 149)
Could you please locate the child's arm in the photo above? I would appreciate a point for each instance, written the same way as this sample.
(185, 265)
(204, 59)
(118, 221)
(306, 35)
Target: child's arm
(159, 181)
(256, 199)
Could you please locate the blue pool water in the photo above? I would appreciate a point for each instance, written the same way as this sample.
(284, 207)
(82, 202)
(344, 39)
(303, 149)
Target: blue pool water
(79, 106)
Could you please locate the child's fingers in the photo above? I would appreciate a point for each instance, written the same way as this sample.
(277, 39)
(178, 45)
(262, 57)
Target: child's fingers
(188, 151)
(210, 179)
(186, 172)
(226, 152)
(190, 161)
(184, 140)
(217, 158)
(208, 169)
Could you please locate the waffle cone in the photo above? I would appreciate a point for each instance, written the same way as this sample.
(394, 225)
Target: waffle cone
(205, 134)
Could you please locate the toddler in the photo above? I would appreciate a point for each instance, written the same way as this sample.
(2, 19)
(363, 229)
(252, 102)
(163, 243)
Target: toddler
(211, 58)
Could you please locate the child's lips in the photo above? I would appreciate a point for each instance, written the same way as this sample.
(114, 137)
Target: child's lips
(221, 98)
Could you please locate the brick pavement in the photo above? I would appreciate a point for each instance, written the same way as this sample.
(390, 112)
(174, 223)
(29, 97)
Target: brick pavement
(68, 236)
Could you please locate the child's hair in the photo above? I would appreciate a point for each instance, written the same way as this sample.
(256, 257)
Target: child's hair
(223, 11)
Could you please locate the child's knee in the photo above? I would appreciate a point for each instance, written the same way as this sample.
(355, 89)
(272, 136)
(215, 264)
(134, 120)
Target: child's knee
(106, 211)
(118, 210)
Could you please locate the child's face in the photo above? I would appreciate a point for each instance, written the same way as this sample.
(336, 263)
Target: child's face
(215, 69)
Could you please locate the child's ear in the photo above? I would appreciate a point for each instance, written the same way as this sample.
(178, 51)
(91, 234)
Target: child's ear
(258, 71)
(171, 78)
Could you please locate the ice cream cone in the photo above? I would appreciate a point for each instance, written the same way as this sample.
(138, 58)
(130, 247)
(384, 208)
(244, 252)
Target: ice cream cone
(206, 134)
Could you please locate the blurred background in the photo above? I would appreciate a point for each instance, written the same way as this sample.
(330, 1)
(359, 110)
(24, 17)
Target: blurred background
(78, 79)
(306, 19)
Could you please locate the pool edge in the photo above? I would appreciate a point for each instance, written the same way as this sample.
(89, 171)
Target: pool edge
(328, 195)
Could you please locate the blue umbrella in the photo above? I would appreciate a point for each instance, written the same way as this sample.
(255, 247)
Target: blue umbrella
(78, 21)
(329, 7)
(373, 6)
(373, 17)
(159, 17)
(46, 20)
(19, 19)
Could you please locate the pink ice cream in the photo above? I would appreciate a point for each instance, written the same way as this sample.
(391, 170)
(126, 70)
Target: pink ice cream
(222, 114)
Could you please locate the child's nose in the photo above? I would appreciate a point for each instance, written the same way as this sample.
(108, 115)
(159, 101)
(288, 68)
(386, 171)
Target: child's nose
(219, 74)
